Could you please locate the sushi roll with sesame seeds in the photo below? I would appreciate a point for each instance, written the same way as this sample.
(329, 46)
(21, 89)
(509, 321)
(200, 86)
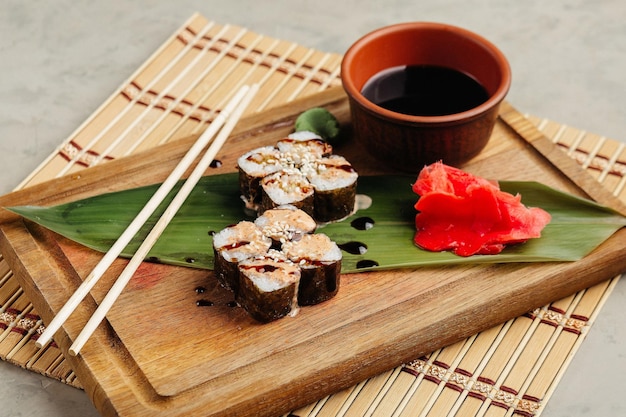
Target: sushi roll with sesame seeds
(285, 223)
(319, 259)
(288, 187)
(253, 167)
(268, 287)
(302, 147)
(234, 244)
(335, 181)
(302, 171)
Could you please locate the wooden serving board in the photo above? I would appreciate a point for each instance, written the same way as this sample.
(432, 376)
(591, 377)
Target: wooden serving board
(159, 354)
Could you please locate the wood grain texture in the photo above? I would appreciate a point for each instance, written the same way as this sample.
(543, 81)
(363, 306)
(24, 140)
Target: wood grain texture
(159, 354)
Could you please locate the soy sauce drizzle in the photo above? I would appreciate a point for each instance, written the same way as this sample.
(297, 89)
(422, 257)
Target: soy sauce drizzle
(237, 244)
(204, 302)
(366, 263)
(260, 268)
(363, 223)
(216, 163)
(354, 248)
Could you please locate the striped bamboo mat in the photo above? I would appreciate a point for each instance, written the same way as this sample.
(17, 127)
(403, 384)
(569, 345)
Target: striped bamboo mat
(509, 369)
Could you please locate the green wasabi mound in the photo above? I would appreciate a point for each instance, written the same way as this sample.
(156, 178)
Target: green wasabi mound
(319, 121)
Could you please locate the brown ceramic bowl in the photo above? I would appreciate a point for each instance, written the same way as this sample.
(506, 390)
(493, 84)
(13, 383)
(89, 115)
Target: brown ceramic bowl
(409, 142)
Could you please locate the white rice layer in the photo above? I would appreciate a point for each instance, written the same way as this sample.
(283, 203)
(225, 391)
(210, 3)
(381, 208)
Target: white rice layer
(286, 187)
(331, 173)
(285, 223)
(241, 241)
(269, 275)
(313, 248)
(260, 162)
(303, 150)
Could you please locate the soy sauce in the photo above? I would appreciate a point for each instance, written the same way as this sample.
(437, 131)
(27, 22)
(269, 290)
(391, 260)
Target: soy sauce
(353, 248)
(424, 90)
(362, 223)
(366, 263)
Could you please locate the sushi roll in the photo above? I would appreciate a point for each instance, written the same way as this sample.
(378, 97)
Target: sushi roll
(302, 171)
(334, 180)
(288, 187)
(270, 282)
(254, 166)
(268, 287)
(234, 244)
(285, 223)
(303, 147)
(319, 259)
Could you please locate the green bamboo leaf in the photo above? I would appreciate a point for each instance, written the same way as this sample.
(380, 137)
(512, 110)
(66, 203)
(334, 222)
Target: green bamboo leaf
(577, 225)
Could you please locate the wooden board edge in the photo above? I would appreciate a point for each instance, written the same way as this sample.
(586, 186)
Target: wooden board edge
(37, 246)
(566, 165)
(409, 339)
(275, 121)
(345, 369)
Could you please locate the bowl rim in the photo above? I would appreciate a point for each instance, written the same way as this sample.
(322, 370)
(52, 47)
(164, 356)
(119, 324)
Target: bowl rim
(494, 100)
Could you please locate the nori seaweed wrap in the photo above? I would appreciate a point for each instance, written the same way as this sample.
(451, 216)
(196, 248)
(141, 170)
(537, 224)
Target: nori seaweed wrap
(253, 167)
(319, 259)
(234, 244)
(268, 287)
(334, 181)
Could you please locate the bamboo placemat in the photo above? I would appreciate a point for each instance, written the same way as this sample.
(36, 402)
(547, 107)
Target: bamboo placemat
(509, 369)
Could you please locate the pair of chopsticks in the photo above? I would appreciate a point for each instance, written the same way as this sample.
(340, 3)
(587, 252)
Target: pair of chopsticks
(227, 119)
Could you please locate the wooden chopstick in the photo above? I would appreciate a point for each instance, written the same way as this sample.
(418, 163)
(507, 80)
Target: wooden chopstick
(224, 117)
(161, 224)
